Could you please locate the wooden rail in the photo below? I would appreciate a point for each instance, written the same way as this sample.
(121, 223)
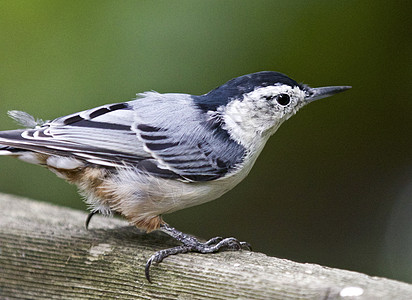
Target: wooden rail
(45, 253)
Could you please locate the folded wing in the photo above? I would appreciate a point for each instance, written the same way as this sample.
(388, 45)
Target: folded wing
(163, 136)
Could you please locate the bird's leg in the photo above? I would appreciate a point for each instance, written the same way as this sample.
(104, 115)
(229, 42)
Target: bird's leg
(191, 244)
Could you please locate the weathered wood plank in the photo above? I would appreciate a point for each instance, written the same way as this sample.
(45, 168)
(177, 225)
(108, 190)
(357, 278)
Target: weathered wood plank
(46, 253)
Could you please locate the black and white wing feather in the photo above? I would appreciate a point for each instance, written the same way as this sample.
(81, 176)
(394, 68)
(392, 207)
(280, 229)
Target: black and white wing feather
(101, 135)
(162, 134)
(185, 139)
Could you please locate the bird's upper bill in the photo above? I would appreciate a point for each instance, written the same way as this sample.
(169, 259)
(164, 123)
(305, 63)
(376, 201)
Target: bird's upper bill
(313, 94)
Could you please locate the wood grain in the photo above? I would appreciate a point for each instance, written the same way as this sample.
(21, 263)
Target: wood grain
(46, 253)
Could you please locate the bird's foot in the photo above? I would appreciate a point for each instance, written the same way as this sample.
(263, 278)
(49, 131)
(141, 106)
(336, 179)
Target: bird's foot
(191, 244)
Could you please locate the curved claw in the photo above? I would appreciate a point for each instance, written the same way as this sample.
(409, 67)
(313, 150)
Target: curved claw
(232, 244)
(246, 245)
(159, 256)
(147, 268)
(89, 217)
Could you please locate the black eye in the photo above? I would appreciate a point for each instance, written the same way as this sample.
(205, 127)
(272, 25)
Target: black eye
(283, 99)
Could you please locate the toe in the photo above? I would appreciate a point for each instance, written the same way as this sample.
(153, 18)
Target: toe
(214, 241)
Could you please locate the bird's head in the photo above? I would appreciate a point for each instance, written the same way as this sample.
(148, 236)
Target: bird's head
(254, 106)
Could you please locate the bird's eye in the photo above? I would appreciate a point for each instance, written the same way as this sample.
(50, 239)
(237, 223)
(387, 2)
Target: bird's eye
(283, 99)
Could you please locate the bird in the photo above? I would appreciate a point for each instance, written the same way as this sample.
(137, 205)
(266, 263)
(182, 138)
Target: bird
(164, 152)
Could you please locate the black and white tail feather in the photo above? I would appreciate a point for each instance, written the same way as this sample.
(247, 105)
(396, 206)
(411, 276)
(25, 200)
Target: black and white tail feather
(82, 135)
(24, 119)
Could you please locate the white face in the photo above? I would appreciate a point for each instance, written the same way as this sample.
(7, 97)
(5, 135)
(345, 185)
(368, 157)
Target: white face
(260, 113)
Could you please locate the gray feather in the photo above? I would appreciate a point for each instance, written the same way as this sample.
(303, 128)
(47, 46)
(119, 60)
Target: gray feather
(184, 138)
(163, 134)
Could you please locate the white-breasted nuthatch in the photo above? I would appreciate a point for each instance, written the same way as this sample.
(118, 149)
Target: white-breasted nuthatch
(164, 152)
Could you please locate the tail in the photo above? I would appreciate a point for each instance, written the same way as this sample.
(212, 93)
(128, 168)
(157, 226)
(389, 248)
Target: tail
(9, 147)
(29, 144)
(7, 137)
(10, 139)
(7, 150)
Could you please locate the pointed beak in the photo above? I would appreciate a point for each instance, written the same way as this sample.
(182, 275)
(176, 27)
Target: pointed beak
(313, 94)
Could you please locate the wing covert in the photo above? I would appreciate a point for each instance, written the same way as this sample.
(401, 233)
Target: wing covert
(185, 140)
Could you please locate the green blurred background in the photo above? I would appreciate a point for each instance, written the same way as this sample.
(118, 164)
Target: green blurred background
(332, 187)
